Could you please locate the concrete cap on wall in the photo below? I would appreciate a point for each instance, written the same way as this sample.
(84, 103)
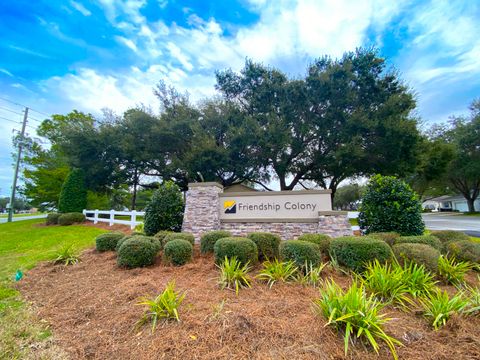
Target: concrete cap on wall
(332, 213)
(205, 184)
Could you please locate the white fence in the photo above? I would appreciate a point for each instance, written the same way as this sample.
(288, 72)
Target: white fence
(111, 218)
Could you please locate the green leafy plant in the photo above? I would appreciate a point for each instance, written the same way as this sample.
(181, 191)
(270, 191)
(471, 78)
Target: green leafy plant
(451, 271)
(164, 306)
(311, 275)
(73, 196)
(137, 251)
(423, 239)
(108, 241)
(165, 209)
(386, 282)
(208, 240)
(233, 274)
(439, 307)
(178, 235)
(447, 236)
(178, 252)
(70, 218)
(322, 240)
(355, 314)
(419, 253)
(465, 250)
(66, 255)
(300, 252)
(52, 219)
(267, 244)
(420, 282)
(473, 296)
(243, 249)
(275, 270)
(388, 237)
(389, 204)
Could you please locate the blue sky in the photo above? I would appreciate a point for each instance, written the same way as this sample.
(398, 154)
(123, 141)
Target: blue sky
(56, 55)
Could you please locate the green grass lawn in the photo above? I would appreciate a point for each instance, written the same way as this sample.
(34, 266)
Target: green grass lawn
(22, 245)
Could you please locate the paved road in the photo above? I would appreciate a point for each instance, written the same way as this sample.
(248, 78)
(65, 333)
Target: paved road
(444, 221)
(20, 218)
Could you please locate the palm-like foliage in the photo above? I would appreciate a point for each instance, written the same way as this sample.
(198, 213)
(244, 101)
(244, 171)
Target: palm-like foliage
(420, 282)
(313, 274)
(439, 307)
(164, 306)
(275, 270)
(451, 271)
(233, 275)
(473, 294)
(355, 314)
(67, 255)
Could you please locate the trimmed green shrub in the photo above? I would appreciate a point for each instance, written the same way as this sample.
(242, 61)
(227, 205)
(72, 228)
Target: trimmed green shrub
(267, 244)
(420, 254)
(208, 240)
(389, 204)
(465, 250)
(120, 241)
(244, 249)
(73, 196)
(423, 239)
(155, 242)
(70, 218)
(446, 236)
(161, 235)
(165, 209)
(108, 241)
(178, 252)
(300, 252)
(355, 252)
(178, 235)
(388, 237)
(322, 240)
(135, 252)
(52, 219)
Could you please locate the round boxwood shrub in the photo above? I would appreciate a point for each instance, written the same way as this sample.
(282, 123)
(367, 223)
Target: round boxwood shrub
(178, 252)
(322, 240)
(137, 251)
(388, 237)
(355, 252)
(421, 254)
(424, 239)
(52, 219)
(300, 252)
(267, 244)
(465, 250)
(155, 242)
(165, 209)
(70, 218)
(244, 249)
(208, 240)
(389, 204)
(108, 241)
(161, 235)
(446, 236)
(178, 235)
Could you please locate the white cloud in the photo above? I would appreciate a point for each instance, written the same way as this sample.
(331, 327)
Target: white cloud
(80, 8)
(6, 72)
(127, 42)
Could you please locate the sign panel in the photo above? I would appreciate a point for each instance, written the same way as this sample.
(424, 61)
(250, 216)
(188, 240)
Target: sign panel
(274, 205)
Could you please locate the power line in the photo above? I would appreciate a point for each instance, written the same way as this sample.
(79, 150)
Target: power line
(12, 111)
(24, 106)
(4, 118)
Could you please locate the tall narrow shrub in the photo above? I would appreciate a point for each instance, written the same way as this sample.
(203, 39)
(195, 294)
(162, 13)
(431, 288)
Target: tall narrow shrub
(165, 210)
(389, 204)
(73, 196)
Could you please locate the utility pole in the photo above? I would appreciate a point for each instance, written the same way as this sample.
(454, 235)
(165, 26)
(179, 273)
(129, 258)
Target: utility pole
(17, 165)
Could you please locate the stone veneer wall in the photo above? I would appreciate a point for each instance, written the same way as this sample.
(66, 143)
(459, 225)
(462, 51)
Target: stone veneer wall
(202, 215)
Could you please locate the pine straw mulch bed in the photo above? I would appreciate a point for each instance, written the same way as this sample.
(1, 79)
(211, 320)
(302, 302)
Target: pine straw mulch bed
(91, 309)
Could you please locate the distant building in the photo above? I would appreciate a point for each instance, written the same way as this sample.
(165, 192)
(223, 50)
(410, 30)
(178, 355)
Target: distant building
(449, 203)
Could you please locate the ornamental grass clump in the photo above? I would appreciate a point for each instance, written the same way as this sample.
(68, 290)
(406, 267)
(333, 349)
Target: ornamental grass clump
(234, 274)
(178, 252)
(277, 271)
(420, 282)
(386, 283)
(355, 314)
(439, 307)
(452, 271)
(108, 241)
(66, 255)
(473, 296)
(312, 274)
(208, 240)
(163, 307)
(267, 244)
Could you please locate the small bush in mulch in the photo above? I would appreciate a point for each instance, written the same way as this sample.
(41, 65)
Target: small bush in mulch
(267, 244)
(178, 252)
(208, 240)
(155, 242)
(300, 252)
(108, 241)
(465, 250)
(446, 236)
(420, 254)
(423, 239)
(244, 249)
(52, 219)
(322, 240)
(356, 252)
(137, 251)
(388, 237)
(180, 235)
(160, 236)
(70, 218)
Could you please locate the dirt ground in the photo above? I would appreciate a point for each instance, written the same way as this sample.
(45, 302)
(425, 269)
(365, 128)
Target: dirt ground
(91, 309)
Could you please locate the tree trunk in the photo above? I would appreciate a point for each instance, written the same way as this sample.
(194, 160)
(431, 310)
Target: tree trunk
(471, 205)
(134, 195)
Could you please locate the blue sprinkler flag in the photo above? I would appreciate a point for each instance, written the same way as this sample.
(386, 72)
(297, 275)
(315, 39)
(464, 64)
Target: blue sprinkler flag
(18, 275)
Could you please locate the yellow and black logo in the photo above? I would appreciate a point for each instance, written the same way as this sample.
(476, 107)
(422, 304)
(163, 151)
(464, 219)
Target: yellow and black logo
(230, 207)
